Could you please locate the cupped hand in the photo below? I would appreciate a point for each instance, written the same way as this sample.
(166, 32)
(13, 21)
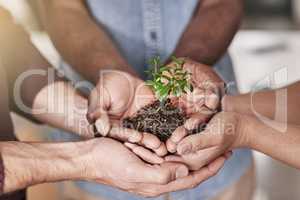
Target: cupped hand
(110, 162)
(201, 103)
(119, 95)
(224, 132)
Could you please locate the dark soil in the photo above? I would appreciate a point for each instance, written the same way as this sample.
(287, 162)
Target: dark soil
(160, 119)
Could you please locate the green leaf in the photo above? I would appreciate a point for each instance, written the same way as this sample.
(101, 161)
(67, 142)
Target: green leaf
(175, 81)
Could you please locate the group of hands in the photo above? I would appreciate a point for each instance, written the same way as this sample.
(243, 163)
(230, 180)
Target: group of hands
(139, 162)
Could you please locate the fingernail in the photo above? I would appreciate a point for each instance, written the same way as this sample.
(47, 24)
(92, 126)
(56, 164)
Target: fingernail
(189, 124)
(181, 172)
(176, 140)
(103, 126)
(184, 149)
(135, 138)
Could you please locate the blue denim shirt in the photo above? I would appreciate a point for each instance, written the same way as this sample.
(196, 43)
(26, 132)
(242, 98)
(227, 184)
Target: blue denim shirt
(142, 29)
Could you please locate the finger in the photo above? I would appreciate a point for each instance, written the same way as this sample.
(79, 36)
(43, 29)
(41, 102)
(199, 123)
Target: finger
(192, 180)
(162, 174)
(194, 101)
(197, 119)
(197, 142)
(92, 105)
(171, 146)
(195, 178)
(161, 150)
(98, 101)
(216, 165)
(175, 138)
(212, 100)
(144, 154)
(174, 158)
(150, 141)
(196, 160)
(103, 125)
(125, 134)
(197, 96)
(145, 97)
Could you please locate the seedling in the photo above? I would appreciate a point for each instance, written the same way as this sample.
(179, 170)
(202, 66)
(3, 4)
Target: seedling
(161, 118)
(169, 80)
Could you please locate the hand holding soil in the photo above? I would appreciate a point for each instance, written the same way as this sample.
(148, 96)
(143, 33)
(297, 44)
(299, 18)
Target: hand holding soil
(200, 104)
(182, 110)
(119, 95)
(124, 170)
(124, 108)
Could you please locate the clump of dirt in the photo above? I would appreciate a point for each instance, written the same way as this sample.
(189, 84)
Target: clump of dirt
(158, 118)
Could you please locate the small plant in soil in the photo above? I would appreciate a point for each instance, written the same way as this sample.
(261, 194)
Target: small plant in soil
(161, 118)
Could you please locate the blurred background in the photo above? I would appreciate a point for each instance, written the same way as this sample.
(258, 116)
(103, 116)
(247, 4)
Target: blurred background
(265, 54)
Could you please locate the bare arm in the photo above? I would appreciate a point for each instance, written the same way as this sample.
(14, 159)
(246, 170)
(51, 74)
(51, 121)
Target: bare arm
(210, 32)
(280, 141)
(80, 41)
(272, 104)
(278, 138)
(227, 131)
(91, 161)
(40, 163)
(60, 104)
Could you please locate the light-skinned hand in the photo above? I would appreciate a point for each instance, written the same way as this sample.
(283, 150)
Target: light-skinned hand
(119, 95)
(200, 104)
(111, 163)
(224, 132)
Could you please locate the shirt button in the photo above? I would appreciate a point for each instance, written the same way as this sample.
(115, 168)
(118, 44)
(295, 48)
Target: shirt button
(153, 35)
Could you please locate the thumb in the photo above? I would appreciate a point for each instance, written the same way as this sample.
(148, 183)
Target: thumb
(165, 173)
(197, 142)
(97, 114)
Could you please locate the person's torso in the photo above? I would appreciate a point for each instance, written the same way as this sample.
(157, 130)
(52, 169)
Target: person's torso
(142, 29)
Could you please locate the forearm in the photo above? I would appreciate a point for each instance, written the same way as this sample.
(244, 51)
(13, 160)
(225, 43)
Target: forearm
(210, 32)
(280, 105)
(27, 164)
(80, 41)
(40, 88)
(20, 58)
(278, 140)
(60, 106)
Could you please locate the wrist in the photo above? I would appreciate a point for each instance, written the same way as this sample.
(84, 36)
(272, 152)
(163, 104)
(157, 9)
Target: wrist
(99, 61)
(245, 128)
(29, 164)
(65, 108)
(228, 103)
(240, 104)
(195, 52)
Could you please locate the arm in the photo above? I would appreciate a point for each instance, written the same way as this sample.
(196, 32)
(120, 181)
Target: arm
(62, 106)
(89, 161)
(280, 145)
(81, 42)
(40, 163)
(228, 131)
(270, 104)
(210, 32)
(54, 101)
